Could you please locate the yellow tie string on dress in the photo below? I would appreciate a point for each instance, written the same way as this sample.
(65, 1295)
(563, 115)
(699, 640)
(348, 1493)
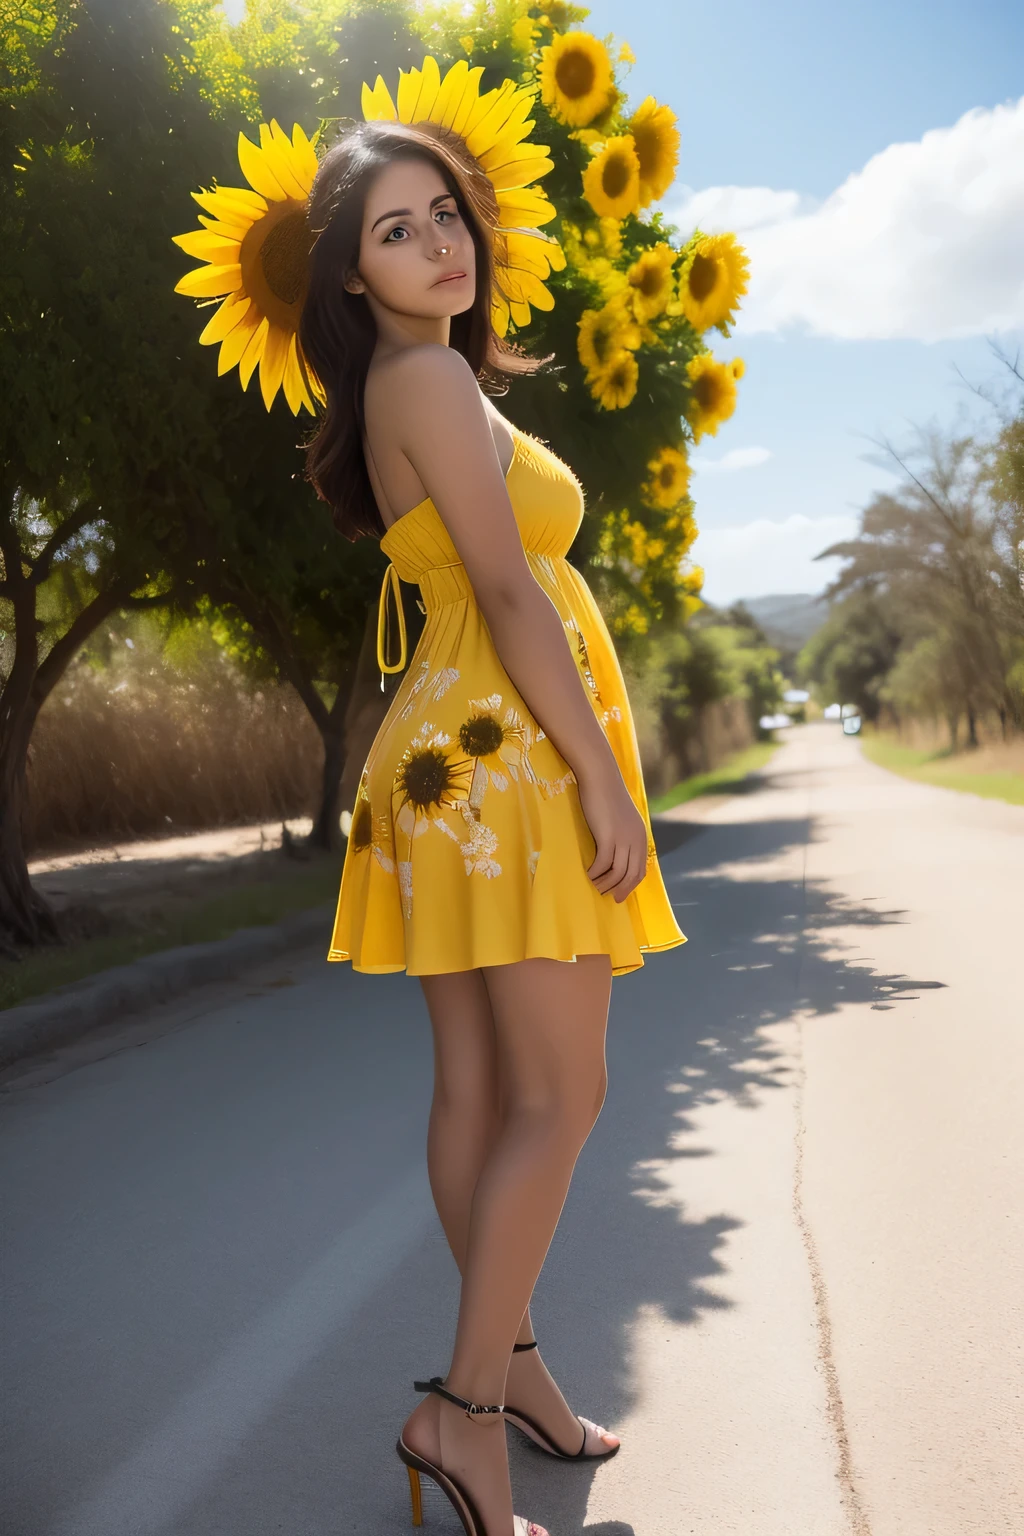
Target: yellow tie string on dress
(392, 584)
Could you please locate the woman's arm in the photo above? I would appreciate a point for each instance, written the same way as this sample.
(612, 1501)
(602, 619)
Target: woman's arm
(442, 428)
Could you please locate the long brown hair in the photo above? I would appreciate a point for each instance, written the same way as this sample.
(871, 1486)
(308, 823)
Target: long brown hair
(337, 329)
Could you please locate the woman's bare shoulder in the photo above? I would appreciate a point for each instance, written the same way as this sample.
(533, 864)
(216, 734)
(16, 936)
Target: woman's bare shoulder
(422, 371)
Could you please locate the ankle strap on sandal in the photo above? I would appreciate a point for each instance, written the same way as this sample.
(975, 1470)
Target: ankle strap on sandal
(518, 1348)
(472, 1410)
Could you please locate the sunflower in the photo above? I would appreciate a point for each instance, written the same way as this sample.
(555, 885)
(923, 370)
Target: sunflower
(576, 79)
(256, 246)
(611, 182)
(738, 367)
(650, 282)
(669, 479)
(429, 777)
(614, 385)
(494, 127)
(712, 394)
(499, 746)
(656, 139)
(712, 281)
(604, 333)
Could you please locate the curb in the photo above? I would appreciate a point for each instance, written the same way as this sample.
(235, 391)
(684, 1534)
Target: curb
(71, 1011)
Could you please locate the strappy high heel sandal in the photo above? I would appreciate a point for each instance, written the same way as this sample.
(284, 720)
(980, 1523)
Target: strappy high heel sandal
(541, 1439)
(459, 1497)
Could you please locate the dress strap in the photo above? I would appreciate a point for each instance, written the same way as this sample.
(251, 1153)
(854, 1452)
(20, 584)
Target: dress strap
(391, 583)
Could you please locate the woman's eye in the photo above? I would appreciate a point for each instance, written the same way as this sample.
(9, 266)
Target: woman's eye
(398, 230)
(446, 213)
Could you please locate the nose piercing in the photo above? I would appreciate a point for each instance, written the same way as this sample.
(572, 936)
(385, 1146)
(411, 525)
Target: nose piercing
(444, 250)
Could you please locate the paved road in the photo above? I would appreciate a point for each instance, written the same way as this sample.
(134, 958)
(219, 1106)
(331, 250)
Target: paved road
(786, 1272)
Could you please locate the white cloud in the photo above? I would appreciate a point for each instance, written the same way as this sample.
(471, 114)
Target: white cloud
(924, 243)
(764, 556)
(736, 458)
(717, 209)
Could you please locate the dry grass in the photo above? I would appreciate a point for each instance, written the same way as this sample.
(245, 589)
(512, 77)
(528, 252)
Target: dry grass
(152, 742)
(995, 771)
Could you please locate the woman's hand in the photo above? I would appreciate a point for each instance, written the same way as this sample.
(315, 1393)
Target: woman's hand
(620, 859)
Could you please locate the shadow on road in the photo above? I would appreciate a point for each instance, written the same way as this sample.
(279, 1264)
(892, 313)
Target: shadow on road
(685, 1031)
(215, 1198)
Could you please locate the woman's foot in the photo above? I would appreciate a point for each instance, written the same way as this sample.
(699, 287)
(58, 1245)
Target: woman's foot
(531, 1388)
(474, 1453)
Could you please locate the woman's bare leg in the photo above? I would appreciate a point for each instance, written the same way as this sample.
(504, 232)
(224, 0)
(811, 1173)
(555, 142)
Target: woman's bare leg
(464, 1121)
(549, 1028)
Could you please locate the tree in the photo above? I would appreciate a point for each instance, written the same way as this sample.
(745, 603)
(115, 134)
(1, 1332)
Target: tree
(850, 657)
(940, 549)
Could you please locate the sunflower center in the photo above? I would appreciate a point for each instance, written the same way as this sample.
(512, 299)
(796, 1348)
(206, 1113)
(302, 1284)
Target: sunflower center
(481, 735)
(702, 276)
(575, 74)
(425, 777)
(284, 257)
(649, 282)
(602, 339)
(615, 176)
(707, 392)
(667, 477)
(645, 142)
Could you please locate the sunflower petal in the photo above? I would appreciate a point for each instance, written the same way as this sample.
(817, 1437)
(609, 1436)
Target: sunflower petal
(253, 351)
(497, 107)
(524, 206)
(236, 341)
(278, 149)
(377, 104)
(224, 231)
(225, 319)
(449, 98)
(469, 106)
(507, 117)
(417, 91)
(258, 171)
(519, 174)
(232, 205)
(294, 389)
(272, 363)
(520, 314)
(204, 245)
(499, 315)
(528, 253)
(210, 282)
(304, 153)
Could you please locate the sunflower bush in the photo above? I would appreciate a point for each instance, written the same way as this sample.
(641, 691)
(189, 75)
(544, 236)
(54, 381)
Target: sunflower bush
(634, 382)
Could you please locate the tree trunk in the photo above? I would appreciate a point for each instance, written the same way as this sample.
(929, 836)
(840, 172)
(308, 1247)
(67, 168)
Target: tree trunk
(26, 918)
(972, 727)
(326, 832)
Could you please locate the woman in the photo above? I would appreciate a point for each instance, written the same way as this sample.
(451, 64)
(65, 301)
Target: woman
(500, 847)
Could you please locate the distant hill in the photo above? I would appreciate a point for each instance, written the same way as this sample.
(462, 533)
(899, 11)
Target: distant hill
(788, 620)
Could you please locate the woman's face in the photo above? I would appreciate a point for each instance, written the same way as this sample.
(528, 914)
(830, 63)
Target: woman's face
(416, 255)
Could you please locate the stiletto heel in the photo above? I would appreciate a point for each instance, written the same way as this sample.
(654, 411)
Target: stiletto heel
(459, 1497)
(540, 1437)
(417, 1495)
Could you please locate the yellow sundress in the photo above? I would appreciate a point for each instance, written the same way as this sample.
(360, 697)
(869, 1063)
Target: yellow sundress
(468, 845)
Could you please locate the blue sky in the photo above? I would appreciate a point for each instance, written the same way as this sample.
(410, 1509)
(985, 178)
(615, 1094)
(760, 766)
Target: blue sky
(871, 158)
(798, 97)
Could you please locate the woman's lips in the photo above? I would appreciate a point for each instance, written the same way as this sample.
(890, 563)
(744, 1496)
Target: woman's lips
(452, 277)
